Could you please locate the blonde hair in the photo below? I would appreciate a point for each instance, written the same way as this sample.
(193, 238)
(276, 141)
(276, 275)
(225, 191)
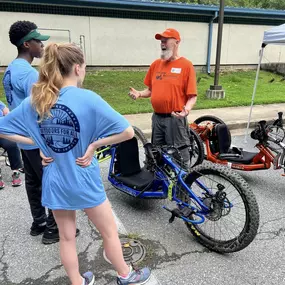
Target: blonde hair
(56, 64)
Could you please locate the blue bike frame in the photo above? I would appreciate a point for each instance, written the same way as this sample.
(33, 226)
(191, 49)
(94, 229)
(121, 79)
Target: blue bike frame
(163, 186)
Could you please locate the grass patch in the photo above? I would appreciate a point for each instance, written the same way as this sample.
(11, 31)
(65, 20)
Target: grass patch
(133, 236)
(113, 86)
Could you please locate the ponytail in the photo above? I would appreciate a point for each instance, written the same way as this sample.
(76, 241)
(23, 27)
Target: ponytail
(57, 63)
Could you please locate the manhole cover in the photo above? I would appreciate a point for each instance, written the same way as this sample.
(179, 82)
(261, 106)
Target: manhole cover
(133, 251)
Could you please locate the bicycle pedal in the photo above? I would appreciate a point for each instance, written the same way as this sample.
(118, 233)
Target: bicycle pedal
(186, 212)
(175, 213)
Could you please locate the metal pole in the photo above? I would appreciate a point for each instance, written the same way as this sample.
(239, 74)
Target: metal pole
(254, 92)
(210, 42)
(219, 43)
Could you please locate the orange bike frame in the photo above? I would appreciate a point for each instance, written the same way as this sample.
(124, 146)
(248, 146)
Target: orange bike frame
(262, 160)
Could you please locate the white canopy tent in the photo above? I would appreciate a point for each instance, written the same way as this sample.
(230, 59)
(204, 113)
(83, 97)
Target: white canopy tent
(274, 36)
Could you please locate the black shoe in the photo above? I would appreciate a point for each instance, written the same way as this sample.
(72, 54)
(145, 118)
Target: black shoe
(52, 236)
(36, 229)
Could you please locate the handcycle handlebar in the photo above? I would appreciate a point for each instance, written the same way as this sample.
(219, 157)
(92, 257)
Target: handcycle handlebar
(279, 121)
(155, 153)
(273, 139)
(149, 150)
(263, 125)
(260, 132)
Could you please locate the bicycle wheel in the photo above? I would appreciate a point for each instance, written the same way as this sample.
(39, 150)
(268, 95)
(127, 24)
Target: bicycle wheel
(196, 149)
(233, 219)
(203, 120)
(142, 141)
(140, 136)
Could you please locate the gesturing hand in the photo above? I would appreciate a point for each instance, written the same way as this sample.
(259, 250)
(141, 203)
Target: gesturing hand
(134, 94)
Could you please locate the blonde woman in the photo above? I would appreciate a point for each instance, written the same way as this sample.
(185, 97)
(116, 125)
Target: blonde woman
(68, 123)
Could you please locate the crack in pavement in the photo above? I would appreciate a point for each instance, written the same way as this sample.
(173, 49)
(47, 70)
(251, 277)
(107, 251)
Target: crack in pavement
(271, 234)
(270, 221)
(156, 255)
(27, 280)
(154, 259)
(62, 280)
(43, 279)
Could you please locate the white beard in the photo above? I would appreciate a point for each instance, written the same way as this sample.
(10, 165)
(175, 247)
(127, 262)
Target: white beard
(166, 54)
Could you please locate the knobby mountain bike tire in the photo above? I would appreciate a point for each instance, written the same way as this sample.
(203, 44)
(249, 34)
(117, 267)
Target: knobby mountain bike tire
(197, 151)
(140, 135)
(210, 119)
(244, 225)
(196, 145)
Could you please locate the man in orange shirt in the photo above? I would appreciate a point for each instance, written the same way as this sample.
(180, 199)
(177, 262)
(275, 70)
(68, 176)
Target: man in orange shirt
(171, 82)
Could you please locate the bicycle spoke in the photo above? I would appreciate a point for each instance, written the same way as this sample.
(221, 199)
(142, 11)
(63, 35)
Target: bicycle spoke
(227, 227)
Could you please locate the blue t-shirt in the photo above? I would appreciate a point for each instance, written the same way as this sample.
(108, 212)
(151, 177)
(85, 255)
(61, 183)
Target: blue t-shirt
(79, 117)
(18, 81)
(2, 107)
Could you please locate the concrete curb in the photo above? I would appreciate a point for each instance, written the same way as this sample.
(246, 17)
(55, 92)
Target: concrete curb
(252, 124)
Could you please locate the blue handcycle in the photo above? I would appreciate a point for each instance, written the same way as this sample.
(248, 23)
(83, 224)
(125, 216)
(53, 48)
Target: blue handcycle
(216, 204)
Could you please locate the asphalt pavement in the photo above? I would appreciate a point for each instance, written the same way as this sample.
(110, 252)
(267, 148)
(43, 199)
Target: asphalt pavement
(173, 254)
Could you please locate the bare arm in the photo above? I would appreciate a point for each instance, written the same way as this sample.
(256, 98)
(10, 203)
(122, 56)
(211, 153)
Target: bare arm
(188, 106)
(146, 93)
(5, 111)
(135, 94)
(18, 139)
(88, 156)
(125, 135)
(190, 103)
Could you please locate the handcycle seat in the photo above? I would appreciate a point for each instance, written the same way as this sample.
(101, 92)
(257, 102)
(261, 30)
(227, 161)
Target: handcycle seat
(128, 169)
(245, 157)
(138, 181)
(222, 145)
